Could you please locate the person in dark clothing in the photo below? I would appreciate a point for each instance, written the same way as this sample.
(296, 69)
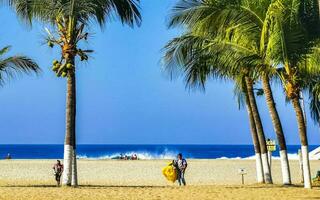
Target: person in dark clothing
(58, 169)
(181, 165)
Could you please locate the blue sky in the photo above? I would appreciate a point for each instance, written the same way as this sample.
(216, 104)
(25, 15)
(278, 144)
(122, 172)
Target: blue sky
(123, 97)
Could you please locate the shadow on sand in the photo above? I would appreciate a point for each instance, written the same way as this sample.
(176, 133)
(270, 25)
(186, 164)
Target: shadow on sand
(81, 186)
(264, 186)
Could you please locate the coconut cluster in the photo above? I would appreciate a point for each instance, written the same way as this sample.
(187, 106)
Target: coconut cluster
(67, 40)
(62, 69)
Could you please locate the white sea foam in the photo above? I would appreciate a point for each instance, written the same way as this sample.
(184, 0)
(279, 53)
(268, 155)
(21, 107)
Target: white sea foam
(140, 155)
(291, 156)
(226, 158)
(171, 155)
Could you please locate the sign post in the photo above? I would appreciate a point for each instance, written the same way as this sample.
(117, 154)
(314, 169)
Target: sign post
(271, 146)
(242, 172)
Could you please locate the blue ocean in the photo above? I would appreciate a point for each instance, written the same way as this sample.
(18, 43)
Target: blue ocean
(142, 151)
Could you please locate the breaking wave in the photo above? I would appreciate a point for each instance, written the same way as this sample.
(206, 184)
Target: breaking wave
(171, 155)
(291, 156)
(140, 155)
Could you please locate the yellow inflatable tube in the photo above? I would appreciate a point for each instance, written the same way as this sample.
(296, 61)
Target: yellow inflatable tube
(170, 173)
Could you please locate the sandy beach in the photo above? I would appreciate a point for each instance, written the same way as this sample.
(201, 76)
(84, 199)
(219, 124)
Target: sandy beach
(111, 179)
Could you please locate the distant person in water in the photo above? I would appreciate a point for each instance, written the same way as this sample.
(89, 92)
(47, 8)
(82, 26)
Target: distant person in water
(181, 165)
(58, 169)
(8, 157)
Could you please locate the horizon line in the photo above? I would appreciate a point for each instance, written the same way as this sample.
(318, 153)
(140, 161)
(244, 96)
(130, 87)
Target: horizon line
(143, 144)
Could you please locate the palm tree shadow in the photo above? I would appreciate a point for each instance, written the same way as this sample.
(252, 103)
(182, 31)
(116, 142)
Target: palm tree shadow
(263, 186)
(83, 186)
(120, 186)
(26, 186)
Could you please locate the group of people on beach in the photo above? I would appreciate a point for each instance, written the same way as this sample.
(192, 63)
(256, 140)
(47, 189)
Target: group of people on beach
(126, 157)
(180, 165)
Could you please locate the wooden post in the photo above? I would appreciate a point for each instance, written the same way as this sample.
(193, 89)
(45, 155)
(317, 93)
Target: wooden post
(242, 179)
(242, 172)
(300, 166)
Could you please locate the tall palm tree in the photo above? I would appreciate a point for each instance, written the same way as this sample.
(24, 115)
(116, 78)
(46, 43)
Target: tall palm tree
(277, 125)
(261, 136)
(255, 139)
(70, 20)
(15, 65)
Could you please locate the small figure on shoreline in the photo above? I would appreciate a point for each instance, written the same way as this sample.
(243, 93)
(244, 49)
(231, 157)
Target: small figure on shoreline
(181, 165)
(8, 157)
(58, 169)
(134, 157)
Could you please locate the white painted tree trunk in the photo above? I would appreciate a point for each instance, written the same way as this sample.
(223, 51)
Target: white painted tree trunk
(67, 165)
(286, 177)
(306, 167)
(74, 179)
(300, 166)
(266, 168)
(259, 168)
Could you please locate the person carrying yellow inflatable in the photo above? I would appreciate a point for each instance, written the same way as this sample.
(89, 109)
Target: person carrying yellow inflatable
(176, 170)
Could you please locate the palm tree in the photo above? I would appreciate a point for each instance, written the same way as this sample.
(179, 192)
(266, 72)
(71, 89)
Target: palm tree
(261, 136)
(255, 139)
(15, 65)
(70, 20)
(285, 168)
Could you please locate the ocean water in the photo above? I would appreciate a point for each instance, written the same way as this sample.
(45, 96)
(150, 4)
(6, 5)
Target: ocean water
(143, 151)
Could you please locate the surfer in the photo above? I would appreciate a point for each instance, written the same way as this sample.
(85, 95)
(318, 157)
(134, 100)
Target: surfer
(58, 169)
(181, 166)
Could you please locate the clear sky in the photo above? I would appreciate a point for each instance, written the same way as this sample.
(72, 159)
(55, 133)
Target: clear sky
(123, 97)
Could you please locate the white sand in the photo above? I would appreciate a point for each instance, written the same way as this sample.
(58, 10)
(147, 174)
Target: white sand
(111, 179)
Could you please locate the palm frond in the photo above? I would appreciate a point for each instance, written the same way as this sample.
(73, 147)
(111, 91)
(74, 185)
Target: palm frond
(83, 11)
(12, 66)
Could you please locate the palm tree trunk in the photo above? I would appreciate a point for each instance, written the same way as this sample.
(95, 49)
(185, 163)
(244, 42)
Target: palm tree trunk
(286, 177)
(260, 132)
(69, 147)
(256, 144)
(304, 141)
(74, 179)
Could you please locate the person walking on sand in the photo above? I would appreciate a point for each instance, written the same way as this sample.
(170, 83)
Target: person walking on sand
(181, 166)
(58, 169)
